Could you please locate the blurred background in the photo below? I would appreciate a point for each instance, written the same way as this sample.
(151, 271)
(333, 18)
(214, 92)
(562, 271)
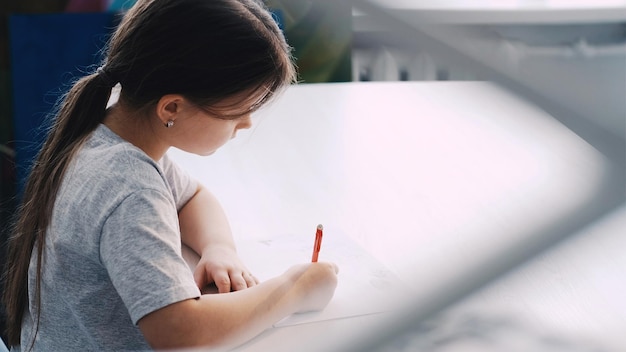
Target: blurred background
(567, 57)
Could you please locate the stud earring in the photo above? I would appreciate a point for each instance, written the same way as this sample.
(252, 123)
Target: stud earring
(169, 123)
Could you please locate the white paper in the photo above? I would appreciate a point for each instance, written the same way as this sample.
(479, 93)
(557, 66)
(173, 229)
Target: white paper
(364, 287)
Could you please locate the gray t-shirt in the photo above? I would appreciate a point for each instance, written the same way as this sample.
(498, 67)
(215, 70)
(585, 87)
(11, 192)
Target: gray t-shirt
(113, 249)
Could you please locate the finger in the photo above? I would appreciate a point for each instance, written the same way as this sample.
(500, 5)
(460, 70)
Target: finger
(336, 268)
(237, 282)
(200, 277)
(332, 265)
(250, 279)
(222, 281)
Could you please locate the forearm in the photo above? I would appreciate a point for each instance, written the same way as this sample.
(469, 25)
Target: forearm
(227, 320)
(203, 223)
(223, 320)
(247, 313)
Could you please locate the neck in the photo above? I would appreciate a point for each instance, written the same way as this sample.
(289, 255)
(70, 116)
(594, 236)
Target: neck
(137, 129)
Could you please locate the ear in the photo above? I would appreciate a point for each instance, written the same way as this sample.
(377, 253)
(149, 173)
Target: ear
(170, 107)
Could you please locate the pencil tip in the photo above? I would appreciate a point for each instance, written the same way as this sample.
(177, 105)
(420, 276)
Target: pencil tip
(320, 227)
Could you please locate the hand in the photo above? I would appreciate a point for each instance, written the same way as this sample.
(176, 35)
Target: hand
(316, 284)
(221, 265)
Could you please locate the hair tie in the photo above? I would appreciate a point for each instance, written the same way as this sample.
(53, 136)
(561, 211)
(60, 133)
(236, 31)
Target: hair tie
(106, 77)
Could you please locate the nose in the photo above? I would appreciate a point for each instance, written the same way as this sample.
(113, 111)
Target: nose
(245, 122)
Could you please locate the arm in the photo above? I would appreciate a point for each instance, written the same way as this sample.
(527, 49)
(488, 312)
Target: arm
(228, 320)
(203, 222)
(205, 229)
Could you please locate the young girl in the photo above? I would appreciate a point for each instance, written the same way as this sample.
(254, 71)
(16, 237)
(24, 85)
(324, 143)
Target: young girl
(95, 258)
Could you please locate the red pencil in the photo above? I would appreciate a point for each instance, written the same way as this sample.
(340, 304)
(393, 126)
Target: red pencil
(318, 242)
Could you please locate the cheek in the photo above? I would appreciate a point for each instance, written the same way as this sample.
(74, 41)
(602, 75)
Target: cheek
(217, 134)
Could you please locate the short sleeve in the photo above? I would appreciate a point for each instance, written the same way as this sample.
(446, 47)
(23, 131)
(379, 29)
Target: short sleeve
(183, 186)
(141, 251)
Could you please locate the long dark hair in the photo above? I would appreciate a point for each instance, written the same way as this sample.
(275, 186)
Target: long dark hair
(206, 50)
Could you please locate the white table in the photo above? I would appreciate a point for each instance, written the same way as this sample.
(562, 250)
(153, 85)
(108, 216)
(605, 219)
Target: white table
(444, 183)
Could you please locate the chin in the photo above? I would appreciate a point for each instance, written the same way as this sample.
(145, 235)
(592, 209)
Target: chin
(199, 152)
(207, 153)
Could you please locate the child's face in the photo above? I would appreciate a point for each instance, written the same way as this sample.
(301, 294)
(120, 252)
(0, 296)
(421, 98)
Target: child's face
(202, 133)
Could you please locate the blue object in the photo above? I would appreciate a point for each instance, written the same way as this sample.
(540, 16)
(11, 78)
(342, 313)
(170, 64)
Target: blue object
(277, 14)
(48, 53)
(121, 5)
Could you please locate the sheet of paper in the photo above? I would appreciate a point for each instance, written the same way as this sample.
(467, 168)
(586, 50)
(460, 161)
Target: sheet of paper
(364, 285)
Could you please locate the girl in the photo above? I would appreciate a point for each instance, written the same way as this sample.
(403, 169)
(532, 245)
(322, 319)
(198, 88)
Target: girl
(95, 258)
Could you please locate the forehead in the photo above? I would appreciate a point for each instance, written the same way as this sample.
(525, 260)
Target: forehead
(242, 103)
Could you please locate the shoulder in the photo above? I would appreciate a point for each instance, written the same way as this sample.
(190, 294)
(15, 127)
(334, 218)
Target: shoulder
(111, 160)
(107, 170)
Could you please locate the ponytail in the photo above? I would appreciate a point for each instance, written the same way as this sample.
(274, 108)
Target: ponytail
(79, 113)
